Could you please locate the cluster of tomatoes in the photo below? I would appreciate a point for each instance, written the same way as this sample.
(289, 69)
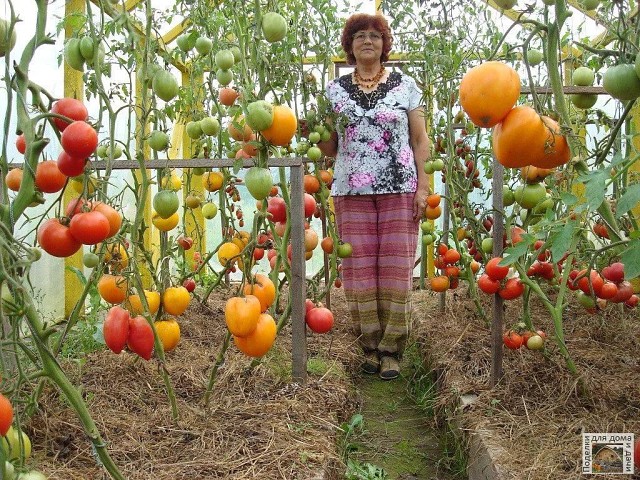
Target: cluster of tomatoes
(253, 328)
(494, 280)
(445, 261)
(514, 339)
(15, 443)
(596, 289)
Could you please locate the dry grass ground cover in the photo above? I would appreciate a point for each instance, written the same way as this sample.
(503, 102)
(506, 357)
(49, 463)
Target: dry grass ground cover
(536, 415)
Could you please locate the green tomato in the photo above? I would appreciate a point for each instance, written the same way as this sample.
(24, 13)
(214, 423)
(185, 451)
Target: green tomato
(428, 239)
(427, 226)
(203, 45)
(87, 48)
(224, 59)
(428, 168)
(622, 82)
(12, 444)
(508, 198)
(487, 245)
(224, 77)
(209, 210)
(259, 182)
(438, 164)
(274, 27)
(210, 126)
(165, 85)
(534, 57)
(344, 250)
(9, 471)
(528, 196)
(584, 101)
(326, 135)
(314, 154)
(4, 30)
(314, 137)
(72, 54)
(194, 130)
(101, 151)
(33, 475)
(158, 140)
(583, 77)
(259, 115)
(166, 203)
(90, 260)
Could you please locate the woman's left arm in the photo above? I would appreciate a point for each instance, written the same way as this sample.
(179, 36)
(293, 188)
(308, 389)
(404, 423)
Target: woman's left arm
(421, 146)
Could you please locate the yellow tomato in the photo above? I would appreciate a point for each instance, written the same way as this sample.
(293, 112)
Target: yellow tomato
(135, 304)
(165, 224)
(175, 300)
(169, 333)
(172, 182)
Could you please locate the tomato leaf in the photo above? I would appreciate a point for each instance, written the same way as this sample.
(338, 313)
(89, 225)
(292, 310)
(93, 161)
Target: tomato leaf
(595, 188)
(631, 259)
(512, 254)
(629, 200)
(560, 240)
(568, 199)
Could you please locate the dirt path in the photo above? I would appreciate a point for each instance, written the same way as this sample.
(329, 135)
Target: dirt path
(397, 435)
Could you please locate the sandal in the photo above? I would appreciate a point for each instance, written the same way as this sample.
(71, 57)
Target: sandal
(371, 363)
(390, 368)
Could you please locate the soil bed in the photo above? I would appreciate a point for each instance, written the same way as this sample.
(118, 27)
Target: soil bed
(535, 417)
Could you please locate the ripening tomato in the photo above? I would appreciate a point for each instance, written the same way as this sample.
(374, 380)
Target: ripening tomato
(21, 144)
(49, 178)
(592, 280)
(608, 291)
(115, 328)
(113, 217)
(56, 239)
(71, 108)
(241, 314)
(141, 338)
(277, 209)
(309, 205)
(79, 139)
(89, 228)
(319, 319)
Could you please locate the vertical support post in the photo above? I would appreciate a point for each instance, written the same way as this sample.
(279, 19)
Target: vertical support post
(498, 303)
(297, 289)
(74, 88)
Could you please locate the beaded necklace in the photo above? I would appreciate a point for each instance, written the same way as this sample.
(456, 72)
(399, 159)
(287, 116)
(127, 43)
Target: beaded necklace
(369, 83)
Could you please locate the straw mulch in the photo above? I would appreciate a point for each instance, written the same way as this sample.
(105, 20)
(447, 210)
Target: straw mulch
(535, 417)
(258, 424)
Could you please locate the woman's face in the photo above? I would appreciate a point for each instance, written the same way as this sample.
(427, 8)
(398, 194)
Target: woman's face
(367, 46)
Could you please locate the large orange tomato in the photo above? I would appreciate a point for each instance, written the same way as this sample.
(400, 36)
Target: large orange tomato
(525, 138)
(134, 302)
(113, 288)
(263, 288)
(488, 92)
(241, 314)
(113, 216)
(175, 300)
(257, 343)
(283, 128)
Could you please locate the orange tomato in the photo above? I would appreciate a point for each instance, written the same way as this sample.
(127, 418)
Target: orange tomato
(241, 315)
(13, 179)
(262, 288)
(433, 200)
(114, 217)
(432, 213)
(258, 342)
(175, 300)
(212, 181)
(311, 184)
(134, 303)
(113, 288)
(283, 128)
(440, 284)
(228, 251)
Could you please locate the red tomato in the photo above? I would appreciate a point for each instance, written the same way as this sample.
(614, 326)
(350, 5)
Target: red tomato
(70, 166)
(593, 280)
(277, 209)
(512, 340)
(78, 205)
(258, 253)
(6, 415)
(625, 291)
(185, 242)
(140, 337)
(309, 205)
(79, 139)
(89, 227)
(56, 239)
(488, 285)
(319, 319)
(68, 107)
(495, 271)
(451, 256)
(49, 178)
(189, 284)
(608, 291)
(513, 288)
(21, 144)
(116, 328)
(614, 272)
(632, 302)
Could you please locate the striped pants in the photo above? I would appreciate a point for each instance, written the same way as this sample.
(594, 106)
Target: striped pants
(378, 277)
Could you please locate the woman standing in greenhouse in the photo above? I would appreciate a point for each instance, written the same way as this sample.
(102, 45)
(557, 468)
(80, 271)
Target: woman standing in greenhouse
(379, 189)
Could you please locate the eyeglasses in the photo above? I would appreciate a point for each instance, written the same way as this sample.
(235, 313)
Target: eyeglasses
(361, 36)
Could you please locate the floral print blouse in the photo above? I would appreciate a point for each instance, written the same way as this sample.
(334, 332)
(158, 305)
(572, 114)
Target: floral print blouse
(374, 154)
